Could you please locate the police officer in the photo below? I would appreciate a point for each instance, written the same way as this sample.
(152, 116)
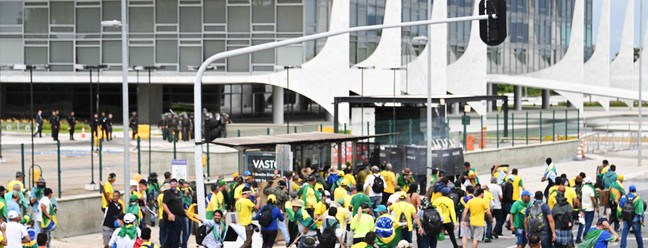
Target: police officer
(173, 127)
(132, 123)
(185, 124)
(55, 124)
(109, 127)
(39, 124)
(71, 123)
(102, 122)
(94, 125)
(162, 126)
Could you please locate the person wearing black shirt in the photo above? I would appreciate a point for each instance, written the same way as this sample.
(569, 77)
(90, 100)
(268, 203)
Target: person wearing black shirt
(55, 124)
(109, 127)
(507, 198)
(94, 125)
(71, 123)
(173, 214)
(133, 123)
(114, 209)
(39, 124)
(102, 122)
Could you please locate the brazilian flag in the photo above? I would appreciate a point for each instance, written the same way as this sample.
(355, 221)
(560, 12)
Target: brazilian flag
(388, 231)
(49, 224)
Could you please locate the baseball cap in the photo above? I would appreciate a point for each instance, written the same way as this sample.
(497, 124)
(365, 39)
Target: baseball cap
(633, 188)
(272, 198)
(221, 182)
(12, 214)
(247, 174)
(588, 180)
(526, 193)
(380, 209)
(343, 183)
(445, 191)
(132, 182)
(129, 218)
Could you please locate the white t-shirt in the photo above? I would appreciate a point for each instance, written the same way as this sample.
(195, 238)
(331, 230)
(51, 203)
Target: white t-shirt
(587, 193)
(43, 201)
(369, 183)
(15, 233)
(496, 190)
(124, 242)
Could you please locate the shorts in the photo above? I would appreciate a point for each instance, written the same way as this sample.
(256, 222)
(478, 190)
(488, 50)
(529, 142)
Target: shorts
(520, 236)
(477, 232)
(107, 234)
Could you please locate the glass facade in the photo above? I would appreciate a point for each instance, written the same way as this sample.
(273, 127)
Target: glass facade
(162, 32)
(365, 13)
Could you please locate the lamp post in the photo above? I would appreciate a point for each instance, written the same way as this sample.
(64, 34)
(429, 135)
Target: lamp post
(31, 69)
(287, 68)
(89, 68)
(394, 69)
(427, 39)
(640, 124)
(362, 69)
(139, 68)
(465, 121)
(2, 67)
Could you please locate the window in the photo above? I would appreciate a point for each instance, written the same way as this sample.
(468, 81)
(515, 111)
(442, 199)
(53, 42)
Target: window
(11, 13)
(88, 20)
(60, 12)
(36, 20)
(61, 52)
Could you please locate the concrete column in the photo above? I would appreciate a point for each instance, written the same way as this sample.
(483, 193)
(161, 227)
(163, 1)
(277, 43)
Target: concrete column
(489, 91)
(517, 98)
(546, 95)
(154, 93)
(277, 105)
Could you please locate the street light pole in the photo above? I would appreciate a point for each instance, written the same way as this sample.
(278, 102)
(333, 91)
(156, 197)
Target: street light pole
(98, 68)
(362, 69)
(428, 148)
(287, 68)
(148, 69)
(639, 129)
(394, 69)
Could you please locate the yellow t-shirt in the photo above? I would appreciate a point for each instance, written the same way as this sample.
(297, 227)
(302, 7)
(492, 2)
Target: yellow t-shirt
(320, 209)
(517, 185)
(12, 183)
(488, 196)
(360, 245)
(350, 179)
(107, 187)
(341, 216)
(605, 169)
(244, 211)
(570, 195)
(390, 181)
(474, 180)
(295, 186)
(362, 227)
(160, 209)
(216, 202)
(435, 196)
(406, 208)
(311, 200)
(477, 207)
(339, 193)
(445, 205)
(347, 201)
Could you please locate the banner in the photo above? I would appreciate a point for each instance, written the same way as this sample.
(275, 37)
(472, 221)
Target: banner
(179, 169)
(261, 164)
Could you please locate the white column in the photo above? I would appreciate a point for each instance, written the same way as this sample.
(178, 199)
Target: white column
(517, 97)
(277, 105)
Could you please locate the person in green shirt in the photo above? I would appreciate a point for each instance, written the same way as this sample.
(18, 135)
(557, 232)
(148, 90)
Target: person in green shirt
(517, 218)
(357, 199)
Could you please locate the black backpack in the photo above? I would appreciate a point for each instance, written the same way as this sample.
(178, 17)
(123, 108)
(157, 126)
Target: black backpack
(628, 211)
(536, 218)
(563, 216)
(328, 238)
(378, 185)
(265, 216)
(202, 233)
(432, 223)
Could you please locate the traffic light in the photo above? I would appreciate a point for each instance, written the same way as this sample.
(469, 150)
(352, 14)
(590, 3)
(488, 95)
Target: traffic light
(493, 30)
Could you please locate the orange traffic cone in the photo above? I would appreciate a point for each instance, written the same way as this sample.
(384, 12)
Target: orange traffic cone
(83, 132)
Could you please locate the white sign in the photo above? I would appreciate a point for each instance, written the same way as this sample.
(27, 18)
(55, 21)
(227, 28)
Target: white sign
(179, 169)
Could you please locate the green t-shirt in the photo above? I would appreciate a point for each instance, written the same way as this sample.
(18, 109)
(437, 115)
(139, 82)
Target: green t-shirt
(357, 200)
(518, 209)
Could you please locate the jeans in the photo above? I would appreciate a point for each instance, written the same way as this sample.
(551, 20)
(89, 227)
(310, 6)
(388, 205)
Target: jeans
(489, 227)
(426, 241)
(173, 229)
(186, 230)
(375, 201)
(546, 191)
(284, 230)
(499, 217)
(163, 231)
(545, 240)
(589, 217)
(636, 226)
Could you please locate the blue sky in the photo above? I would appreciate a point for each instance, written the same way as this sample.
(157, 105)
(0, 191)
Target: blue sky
(617, 19)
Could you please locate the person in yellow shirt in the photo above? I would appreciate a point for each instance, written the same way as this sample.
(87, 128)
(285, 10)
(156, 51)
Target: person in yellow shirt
(348, 175)
(247, 184)
(474, 228)
(518, 185)
(107, 190)
(471, 174)
(401, 209)
(341, 191)
(446, 208)
(308, 195)
(390, 183)
(217, 201)
(244, 208)
(321, 208)
(18, 180)
(159, 199)
(343, 214)
(362, 223)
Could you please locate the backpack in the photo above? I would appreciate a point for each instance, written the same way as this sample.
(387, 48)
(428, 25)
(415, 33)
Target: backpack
(628, 210)
(535, 218)
(265, 216)
(378, 185)
(432, 223)
(564, 211)
(328, 238)
(201, 233)
(384, 227)
(455, 199)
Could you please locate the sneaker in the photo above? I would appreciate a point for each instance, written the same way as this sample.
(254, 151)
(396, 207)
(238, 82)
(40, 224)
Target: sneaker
(578, 241)
(487, 241)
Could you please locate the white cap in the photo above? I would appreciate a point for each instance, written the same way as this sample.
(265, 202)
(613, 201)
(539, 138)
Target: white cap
(12, 215)
(588, 180)
(133, 182)
(129, 218)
